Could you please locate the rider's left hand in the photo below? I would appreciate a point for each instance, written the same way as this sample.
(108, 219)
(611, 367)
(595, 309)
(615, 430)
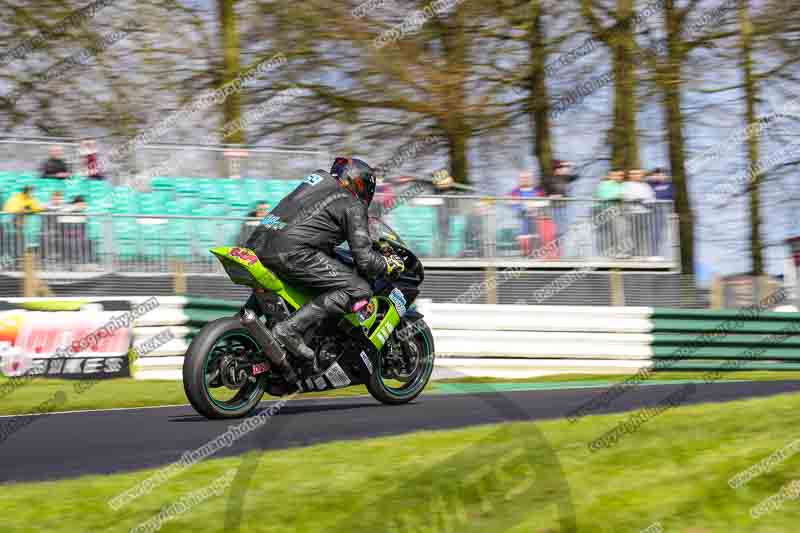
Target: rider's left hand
(395, 266)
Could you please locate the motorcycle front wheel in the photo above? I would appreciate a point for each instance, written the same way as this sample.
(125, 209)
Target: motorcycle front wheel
(400, 379)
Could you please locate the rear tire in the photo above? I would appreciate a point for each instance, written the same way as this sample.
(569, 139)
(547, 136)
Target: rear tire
(194, 372)
(423, 340)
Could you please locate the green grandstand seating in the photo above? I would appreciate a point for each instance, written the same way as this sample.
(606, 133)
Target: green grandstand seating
(44, 190)
(210, 188)
(207, 234)
(126, 236)
(76, 187)
(230, 232)
(186, 185)
(151, 237)
(95, 227)
(455, 242)
(230, 188)
(177, 243)
(33, 229)
(215, 208)
(506, 240)
(252, 188)
(154, 203)
(97, 189)
(183, 205)
(101, 204)
(162, 183)
(417, 226)
(124, 200)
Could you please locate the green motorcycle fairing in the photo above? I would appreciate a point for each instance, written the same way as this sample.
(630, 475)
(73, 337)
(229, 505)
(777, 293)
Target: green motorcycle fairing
(244, 268)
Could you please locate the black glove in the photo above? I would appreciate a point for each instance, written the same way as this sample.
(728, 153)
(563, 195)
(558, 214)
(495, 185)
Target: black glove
(394, 267)
(384, 248)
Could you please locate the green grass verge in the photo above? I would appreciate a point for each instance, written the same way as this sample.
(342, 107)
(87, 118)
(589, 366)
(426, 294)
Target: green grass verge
(126, 392)
(747, 375)
(674, 471)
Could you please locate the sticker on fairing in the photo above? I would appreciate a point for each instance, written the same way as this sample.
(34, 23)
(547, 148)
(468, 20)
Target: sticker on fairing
(337, 376)
(260, 368)
(398, 300)
(313, 179)
(367, 362)
(320, 383)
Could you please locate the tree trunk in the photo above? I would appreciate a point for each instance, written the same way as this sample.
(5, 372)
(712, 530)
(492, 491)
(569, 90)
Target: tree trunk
(624, 138)
(538, 97)
(456, 125)
(751, 97)
(231, 48)
(671, 81)
(457, 149)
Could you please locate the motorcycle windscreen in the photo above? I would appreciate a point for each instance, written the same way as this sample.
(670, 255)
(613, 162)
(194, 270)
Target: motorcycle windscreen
(380, 230)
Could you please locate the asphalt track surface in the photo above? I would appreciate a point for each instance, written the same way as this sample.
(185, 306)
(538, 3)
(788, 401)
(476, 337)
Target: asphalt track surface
(58, 446)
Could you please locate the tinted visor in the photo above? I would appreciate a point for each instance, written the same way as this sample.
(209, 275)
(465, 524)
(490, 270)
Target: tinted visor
(369, 186)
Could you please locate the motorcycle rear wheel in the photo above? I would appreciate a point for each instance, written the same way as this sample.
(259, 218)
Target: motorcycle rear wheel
(204, 351)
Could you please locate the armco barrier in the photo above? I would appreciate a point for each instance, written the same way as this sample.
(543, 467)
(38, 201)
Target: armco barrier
(727, 340)
(523, 341)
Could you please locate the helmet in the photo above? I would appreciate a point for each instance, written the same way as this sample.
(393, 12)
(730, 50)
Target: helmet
(356, 176)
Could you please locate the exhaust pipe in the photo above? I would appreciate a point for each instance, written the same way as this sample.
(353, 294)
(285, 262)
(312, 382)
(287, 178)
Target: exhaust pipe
(268, 344)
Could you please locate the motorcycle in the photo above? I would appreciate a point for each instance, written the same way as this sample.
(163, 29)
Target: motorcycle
(383, 344)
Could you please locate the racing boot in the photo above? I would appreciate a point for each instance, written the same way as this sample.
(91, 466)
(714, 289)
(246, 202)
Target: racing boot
(290, 331)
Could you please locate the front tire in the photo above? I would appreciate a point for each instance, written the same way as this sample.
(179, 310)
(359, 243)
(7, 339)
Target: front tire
(201, 353)
(422, 343)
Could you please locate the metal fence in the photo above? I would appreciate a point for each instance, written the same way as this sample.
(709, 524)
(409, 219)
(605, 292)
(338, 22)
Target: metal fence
(29, 154)
(450, 230)
(201, 161)
(228, 161)
(541, 229)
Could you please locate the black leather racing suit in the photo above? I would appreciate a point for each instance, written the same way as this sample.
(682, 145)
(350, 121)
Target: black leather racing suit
(296, 241)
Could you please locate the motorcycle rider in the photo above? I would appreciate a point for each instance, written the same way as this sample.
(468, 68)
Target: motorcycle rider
(296, 241)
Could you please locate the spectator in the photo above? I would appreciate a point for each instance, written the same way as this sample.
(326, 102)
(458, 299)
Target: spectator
(662, 187)
(249, 226)
(610, 188)
(51, 240)
(563, 174)
(55, 167)
(525, 210)
(474, 238)
(72, 222)
(20, 204)
(639, 197)
(23, 202)
(661, 184)
(88, 151)
(636, 190)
